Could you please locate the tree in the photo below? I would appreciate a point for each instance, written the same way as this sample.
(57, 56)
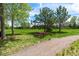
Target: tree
(10, 13)
(62, 15)
(73, 21)
(17, 11)
(23, 24)
(47, 17)
(2, 21)
(23, 15)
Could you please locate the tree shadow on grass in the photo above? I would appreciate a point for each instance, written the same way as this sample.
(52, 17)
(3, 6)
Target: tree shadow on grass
(57, 32)
(14, 34)
(44, 34)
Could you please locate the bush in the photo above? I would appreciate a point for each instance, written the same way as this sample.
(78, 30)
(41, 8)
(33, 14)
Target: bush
(38, 27)
(7, 26)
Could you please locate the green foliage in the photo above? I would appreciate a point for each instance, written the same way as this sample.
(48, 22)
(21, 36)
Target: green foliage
(7, 26)
(62, 15)
(25, 25)
(46, 16)
(16, 12)
(50, 17)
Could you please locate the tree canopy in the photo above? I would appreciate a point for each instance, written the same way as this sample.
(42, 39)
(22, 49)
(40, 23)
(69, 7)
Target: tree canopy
(17, 12)
(47, 16)
(62, 15)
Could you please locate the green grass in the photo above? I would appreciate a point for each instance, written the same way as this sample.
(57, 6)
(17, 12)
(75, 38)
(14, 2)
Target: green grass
(9, 46)
(65, 32)
(73, 50)
(25, 37)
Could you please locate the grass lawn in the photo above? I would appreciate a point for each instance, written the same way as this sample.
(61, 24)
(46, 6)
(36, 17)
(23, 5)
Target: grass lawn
(26, 37)
(73, 50)
(54, 34)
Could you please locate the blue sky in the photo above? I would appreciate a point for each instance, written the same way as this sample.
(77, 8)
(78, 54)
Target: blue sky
(73, 8)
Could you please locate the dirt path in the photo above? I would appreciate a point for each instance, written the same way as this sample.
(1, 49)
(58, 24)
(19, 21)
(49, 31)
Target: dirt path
(48, 48)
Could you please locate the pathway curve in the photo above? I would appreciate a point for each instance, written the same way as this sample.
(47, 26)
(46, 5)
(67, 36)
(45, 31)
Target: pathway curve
(48, 48)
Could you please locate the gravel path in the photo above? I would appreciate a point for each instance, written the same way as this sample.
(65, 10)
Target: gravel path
(48, 48)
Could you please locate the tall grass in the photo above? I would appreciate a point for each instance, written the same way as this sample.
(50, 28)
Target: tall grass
(73, 50)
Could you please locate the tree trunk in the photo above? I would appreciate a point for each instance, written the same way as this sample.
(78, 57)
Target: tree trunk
(45, 27)
(59, 26)
(2, 21)
(12, 26)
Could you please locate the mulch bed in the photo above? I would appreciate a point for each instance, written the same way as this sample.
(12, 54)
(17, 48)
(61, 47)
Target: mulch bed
(39, 34)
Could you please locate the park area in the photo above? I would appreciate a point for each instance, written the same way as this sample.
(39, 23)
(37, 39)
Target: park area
(47, 32)
(26, 37)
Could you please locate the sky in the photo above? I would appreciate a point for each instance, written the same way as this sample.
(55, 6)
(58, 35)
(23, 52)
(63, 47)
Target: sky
(73, 8)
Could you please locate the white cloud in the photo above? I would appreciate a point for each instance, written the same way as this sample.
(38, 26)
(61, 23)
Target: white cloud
(73, 8)
(35, 11)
